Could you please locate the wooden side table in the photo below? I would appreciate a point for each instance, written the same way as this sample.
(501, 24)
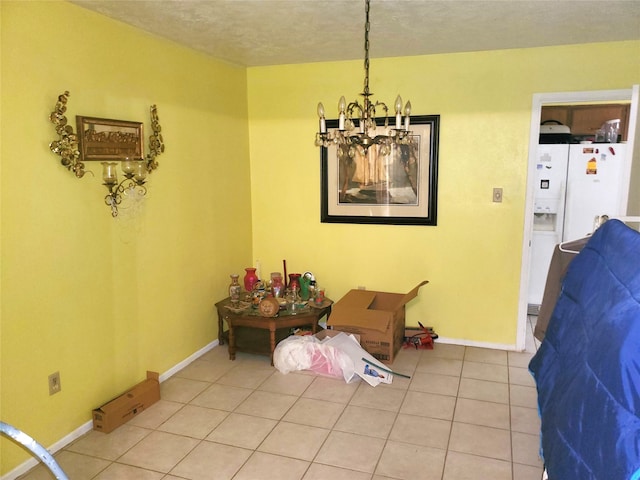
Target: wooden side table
(252, 319)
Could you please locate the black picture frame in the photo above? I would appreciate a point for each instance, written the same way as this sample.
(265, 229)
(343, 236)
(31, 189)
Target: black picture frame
(400, 189)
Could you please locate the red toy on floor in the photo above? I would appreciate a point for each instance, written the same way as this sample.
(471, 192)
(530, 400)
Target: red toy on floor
(422, 339)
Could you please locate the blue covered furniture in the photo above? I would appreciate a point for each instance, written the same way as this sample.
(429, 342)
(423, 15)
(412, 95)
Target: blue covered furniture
(587, 370)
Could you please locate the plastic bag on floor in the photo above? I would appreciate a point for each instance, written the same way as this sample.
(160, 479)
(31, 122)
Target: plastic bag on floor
(306, 352)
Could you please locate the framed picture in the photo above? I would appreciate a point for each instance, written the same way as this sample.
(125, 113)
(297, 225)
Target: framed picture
(398, 189)
(105, 139)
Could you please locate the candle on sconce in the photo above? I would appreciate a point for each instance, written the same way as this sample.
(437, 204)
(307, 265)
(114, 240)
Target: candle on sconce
(128, 167)
(109, 174)
(140, 172)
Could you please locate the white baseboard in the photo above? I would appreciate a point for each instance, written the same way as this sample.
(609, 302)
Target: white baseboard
(86, 427)
(471, 343)
(176, 368)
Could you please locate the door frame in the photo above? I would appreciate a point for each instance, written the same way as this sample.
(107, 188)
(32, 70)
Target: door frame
(559, 98)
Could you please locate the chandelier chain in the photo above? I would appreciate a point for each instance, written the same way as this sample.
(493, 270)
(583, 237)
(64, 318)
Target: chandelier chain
(367, 26)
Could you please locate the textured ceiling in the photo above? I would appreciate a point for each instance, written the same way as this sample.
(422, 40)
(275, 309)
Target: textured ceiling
(274, 32)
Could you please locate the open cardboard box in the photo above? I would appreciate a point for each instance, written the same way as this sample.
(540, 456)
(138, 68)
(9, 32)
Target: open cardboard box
(324, 334)
(126, 406)
(377, 317)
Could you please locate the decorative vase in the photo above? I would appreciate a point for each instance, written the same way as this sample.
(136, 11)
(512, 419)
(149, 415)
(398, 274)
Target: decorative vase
(277, 286)
(305, 284)
(250, 279)
(294, 281)
(234, 290)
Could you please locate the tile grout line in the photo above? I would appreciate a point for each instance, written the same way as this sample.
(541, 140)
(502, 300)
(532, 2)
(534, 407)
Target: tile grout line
(280, 420)
(453, 415)
(513, 473)
(386, 440)
(254, 450)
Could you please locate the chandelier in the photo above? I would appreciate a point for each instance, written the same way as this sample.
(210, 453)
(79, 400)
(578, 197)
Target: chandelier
(364, 135)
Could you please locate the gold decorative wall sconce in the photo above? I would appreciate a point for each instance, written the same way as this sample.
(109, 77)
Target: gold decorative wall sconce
(111, 142)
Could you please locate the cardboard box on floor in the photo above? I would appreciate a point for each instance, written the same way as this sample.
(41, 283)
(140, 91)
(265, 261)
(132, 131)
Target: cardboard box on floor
(378, 317)
(126, 406)
(323, 333)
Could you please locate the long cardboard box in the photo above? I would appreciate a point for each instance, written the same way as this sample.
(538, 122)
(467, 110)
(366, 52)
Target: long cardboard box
(126, 406)
(378, 317)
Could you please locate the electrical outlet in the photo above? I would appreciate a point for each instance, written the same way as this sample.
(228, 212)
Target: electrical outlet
(497, 195)
(54, 383)
(361, 287)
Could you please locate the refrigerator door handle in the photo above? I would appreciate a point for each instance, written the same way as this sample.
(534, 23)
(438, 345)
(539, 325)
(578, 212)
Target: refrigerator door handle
(561, 211)
(564, 210)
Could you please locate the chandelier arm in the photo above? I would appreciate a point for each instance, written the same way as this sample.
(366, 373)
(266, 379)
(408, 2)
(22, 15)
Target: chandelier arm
(354, 106)
(384, 107)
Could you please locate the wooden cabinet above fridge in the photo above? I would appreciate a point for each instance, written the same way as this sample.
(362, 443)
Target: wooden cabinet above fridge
(586, 119)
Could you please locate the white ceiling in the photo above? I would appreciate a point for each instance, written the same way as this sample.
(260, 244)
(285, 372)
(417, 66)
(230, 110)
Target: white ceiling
(274, 32)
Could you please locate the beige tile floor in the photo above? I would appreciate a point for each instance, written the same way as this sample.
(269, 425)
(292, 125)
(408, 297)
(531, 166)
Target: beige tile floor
(466, 413)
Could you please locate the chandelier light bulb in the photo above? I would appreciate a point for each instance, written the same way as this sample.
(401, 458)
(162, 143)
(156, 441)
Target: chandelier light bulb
(398, 112)
(323, 123)
(407, 113)
(342, 104)
(342, 107)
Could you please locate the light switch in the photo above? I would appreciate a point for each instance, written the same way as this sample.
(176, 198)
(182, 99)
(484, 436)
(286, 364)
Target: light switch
(497, 195)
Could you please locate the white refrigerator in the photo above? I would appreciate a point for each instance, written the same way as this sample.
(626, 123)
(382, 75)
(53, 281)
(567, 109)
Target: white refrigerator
(595, 186)
(574, 184)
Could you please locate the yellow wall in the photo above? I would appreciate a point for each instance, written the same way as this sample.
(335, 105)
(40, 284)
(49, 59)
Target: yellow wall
(472, 258)
(103, 300)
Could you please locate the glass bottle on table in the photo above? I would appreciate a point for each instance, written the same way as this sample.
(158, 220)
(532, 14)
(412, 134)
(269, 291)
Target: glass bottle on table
(292, 299)
(277, 285)
(234, 290)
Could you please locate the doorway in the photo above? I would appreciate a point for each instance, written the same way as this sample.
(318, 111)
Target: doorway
(540, 100)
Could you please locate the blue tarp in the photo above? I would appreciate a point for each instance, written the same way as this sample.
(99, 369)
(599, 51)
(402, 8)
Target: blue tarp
(587, 370)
